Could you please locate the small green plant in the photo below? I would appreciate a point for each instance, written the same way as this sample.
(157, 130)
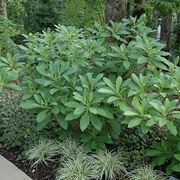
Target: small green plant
(146, 173)
(167, 151)
(109, 165)
(43, 152)
(78, 168)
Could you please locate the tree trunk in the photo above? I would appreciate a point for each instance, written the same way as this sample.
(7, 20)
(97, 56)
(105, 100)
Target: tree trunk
(166, 31)
(3, 11)
(177, 30)
(115, 10)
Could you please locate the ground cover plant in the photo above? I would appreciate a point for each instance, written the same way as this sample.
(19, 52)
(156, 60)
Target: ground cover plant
(93, 82)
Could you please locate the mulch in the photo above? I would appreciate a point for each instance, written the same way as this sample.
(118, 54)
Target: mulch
(14, 155)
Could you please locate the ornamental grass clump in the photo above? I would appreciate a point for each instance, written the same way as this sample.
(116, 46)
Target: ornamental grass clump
(77, 168)
(43, 152)
(109, 165)
(71, 148)
(146, 173)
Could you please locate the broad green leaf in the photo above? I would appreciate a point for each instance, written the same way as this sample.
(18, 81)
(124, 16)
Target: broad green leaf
(159, 65)
(135, 78)
(44, 82)
(93, 110)
(84, 121)
(154, 153)
(26, 96)
(162, 122)
(126, 64)
(150, 122)
(96, 122)
(106, 91)
(176, 167)
(86, 138)
(79, 110)
(38, 98)
(118, 83)
(14, 86)
(29, 104)
(142, 60)
(62, 122)
(78, 97)
(72, 104)
(177, 156)
(131, 113)
(55, 110)
(41, 116)
(161, 160)
(112, 99)
(137, 105)
(44, 123)
(116, 127)
(108, 83)
(52, 91)
(156, 105)
(134, 122)
(105, 113)
(172, 128)
(71, 116)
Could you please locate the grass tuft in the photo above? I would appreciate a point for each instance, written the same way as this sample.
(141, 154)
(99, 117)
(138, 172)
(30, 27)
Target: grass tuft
(77, 168)
(43, 152)
(146, 173)
(109, 165)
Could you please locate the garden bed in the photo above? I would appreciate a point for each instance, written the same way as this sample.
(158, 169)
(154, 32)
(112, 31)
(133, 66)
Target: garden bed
(14, 155)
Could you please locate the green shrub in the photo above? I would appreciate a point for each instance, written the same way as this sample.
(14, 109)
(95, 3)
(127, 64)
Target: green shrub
(94, 80)
(167, 152)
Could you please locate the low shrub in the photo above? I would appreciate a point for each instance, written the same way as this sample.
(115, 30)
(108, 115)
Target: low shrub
(17, 125)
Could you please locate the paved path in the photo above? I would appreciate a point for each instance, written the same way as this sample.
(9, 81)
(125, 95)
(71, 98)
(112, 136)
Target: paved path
(9, 171)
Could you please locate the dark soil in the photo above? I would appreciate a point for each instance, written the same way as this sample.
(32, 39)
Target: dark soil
(40, 173)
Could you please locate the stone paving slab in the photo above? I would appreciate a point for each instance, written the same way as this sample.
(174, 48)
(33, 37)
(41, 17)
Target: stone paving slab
(9, 171)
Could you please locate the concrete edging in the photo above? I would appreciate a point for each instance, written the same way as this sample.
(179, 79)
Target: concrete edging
(9, 171)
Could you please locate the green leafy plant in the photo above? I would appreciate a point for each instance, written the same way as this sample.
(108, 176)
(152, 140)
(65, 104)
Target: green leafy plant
(109, 165)
(43, 152)
(167, 151)
(146, 173)
(131, 81)
(86, 105)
